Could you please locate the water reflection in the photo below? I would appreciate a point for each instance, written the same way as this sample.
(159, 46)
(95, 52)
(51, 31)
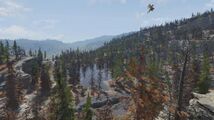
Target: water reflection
(93, 75)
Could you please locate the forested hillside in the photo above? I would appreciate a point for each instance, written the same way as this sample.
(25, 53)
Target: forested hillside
(165, 42)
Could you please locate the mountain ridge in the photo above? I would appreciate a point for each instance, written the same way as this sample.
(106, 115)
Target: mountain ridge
(54, 47)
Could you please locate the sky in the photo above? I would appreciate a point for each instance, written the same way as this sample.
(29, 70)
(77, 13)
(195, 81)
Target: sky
(75, 20)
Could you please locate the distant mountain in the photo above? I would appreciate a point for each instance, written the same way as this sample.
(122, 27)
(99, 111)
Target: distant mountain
(90, 44)
(50, 46)
(53, 47)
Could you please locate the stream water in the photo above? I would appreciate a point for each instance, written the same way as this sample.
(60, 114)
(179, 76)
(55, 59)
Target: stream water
(95, 74)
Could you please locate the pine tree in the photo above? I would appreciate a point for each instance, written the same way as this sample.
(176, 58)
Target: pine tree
(40, 57)
(45, 80)
(20, 52)
(117, 68)
(204, 82)
(45, 54)
(87, 111)
(30, 53)
(1, 52)
(15, 49)
(7, 51)
(11, 89)
(63, 99)
(35, 73)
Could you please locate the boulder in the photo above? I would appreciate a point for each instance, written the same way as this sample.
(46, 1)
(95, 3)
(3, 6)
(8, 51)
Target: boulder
(24, 80)
(202, 106)
(98, 104)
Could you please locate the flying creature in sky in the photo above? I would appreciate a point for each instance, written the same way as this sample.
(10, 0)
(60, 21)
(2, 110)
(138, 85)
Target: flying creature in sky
(150, 8)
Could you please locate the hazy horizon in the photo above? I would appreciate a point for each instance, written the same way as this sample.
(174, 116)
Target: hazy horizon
(71, 21)
(49, 39)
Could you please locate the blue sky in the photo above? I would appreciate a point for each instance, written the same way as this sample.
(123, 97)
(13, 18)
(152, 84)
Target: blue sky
(74, 20)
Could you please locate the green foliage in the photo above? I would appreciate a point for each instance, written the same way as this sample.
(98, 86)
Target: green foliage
(154, 66)
(11, 90)
(204, 82)
(45, 54)
(15, 49)
(40, 57)
(117, 68)
(45, 80)
(2, 52)
(6, 51)
(7, 48)
(63, 99)
(35, 72)
(87, 111)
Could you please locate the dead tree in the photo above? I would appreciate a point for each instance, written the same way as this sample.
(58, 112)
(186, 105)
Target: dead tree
(181, 81)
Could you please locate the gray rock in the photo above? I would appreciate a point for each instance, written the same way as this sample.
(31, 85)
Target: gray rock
(101, 103)
(202, 106)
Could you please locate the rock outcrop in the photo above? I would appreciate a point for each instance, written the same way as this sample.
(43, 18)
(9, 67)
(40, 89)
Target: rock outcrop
(24, 79)
(202, 106)
(23, 82)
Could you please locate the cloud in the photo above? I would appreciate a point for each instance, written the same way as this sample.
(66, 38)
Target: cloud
(16, 32)
(162, 1)
(46, 23)
(125, 1)
(11, 8)
(139, 15)
(153, 1)
(92, 2)
(210, 4)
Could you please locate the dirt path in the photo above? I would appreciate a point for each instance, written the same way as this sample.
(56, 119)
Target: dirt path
(17, 65)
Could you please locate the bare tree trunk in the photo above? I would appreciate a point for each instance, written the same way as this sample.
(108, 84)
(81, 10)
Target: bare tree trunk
(179, 102)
